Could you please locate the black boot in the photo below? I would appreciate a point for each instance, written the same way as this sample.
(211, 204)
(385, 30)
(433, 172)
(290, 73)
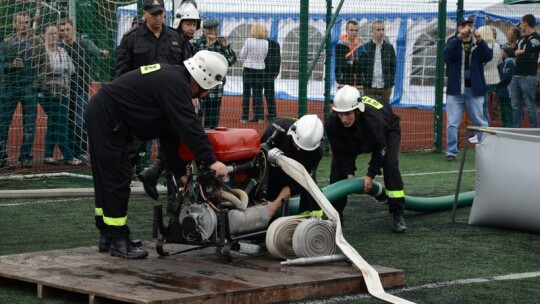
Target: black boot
(172, 204)
(399, 223)
(149, 178)
(121, 247)
(104, 244)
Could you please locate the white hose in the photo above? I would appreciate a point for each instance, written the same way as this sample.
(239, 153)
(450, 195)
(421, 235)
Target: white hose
(295, 170)
(314, 237)
(254, 218)
(239, 199)
(280, 234)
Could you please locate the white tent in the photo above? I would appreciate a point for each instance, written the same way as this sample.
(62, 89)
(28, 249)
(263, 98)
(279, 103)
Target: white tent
(410, 28)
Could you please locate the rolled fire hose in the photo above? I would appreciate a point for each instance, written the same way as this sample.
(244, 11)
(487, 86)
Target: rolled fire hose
(314, 237)
(295, 170)
(280, 234)
(239, 198)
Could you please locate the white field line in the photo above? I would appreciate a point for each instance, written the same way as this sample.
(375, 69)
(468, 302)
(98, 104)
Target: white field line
(38, 201)
(436, 173)
(508, 277)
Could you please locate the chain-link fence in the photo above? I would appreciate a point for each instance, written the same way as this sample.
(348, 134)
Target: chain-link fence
(41, 116)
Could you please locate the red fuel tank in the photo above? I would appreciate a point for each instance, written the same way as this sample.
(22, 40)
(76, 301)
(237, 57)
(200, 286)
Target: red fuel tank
(229, 144)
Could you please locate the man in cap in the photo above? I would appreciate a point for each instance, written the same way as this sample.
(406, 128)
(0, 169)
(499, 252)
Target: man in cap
(465, 54)
(366, 125)
(161, 44)
(210, 40)
(151, 102)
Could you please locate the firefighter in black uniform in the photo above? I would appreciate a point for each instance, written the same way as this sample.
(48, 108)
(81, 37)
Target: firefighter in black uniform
(366, 125)
(300, 140)
(151, 42)
(151, 102)
(186, 22)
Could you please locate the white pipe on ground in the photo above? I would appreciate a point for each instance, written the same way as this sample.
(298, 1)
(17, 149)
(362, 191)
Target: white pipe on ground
(65, 192)
(295, 170)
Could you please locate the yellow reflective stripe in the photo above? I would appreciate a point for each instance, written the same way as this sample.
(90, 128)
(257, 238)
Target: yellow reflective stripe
(145, 69)
(395, 193)
(372, 102)
(99, 211)
(115, 221)
(316, 213)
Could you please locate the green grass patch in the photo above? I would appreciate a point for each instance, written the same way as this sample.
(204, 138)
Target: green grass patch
(436, 255)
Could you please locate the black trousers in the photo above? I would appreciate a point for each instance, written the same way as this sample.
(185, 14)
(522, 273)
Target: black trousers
(109, 144)
(393, 182)
(270, 95)
(252, 87)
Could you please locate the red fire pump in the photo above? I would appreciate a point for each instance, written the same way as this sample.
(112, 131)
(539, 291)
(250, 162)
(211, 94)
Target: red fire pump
(213, 212)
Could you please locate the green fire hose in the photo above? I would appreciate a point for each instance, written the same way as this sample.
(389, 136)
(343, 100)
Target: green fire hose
(356, 185)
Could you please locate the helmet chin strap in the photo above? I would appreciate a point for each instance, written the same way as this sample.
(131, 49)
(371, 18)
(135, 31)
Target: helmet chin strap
(196, 90)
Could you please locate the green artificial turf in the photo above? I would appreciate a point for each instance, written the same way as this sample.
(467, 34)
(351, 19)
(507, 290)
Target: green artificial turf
(443, 262)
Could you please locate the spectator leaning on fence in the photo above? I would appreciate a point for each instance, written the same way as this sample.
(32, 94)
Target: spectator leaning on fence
(523, 85)
(465, 54)
(19, 88)
(212, 41)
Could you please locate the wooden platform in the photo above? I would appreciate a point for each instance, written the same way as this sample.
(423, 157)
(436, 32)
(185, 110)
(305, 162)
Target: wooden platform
(193, 277)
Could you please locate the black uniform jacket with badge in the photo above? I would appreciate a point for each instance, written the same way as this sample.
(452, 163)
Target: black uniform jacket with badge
(155, 102)
(140, 47)
(277, 179)
(369, 133)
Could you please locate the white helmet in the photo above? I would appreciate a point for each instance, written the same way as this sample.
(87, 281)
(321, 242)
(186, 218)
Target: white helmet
(347, 99)
(307, 132)
(186, 11)
(207, 68)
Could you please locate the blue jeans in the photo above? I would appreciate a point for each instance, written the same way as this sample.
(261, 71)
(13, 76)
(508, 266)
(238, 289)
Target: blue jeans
(523, 91)
(57, 127)
(27, 96)
(77, 130)
(455, 104)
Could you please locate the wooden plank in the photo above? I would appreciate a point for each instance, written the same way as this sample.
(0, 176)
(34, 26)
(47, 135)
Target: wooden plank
(194, 277)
